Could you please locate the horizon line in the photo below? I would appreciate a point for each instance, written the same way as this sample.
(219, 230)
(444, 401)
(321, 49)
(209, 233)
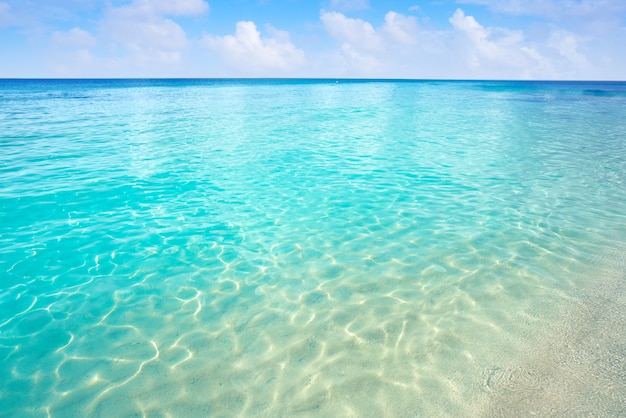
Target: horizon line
(320, 79)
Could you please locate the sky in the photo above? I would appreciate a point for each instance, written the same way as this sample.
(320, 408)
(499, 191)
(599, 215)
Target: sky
(445, 39)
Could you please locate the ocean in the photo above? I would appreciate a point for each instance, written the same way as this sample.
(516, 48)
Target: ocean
(354, 248)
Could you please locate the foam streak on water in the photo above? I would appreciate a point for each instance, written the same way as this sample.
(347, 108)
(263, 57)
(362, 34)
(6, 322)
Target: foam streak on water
(296, 248)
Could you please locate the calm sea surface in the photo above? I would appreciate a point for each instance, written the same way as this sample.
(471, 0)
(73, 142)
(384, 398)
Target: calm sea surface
(312, 248)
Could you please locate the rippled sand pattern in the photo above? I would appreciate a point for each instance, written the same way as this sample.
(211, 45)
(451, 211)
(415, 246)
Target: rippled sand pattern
(219, 248)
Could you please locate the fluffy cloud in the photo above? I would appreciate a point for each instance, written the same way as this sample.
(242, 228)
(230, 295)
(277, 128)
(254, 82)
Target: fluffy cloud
(166, 7)
(567, 45)
(400, 48)
(348, 5)
(594, 16)
(76, 37)
(400, 28)
(143, 29)
(365, 50)
(573, 39)
(553, 8)
(493, 44)
(498, 52)
(138, 38)
(248, 53)
(72, 52)
(361, 35)
(148, 38)
(355, 33)
(177, 7)
(6, 18)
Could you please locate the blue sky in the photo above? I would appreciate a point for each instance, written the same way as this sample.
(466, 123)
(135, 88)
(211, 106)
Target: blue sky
(467, 39)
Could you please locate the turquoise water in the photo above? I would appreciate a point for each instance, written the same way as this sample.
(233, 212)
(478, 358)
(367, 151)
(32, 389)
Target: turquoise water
(312, 248)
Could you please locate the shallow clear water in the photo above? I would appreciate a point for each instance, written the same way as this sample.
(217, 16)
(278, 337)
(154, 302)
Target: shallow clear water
(293, 248)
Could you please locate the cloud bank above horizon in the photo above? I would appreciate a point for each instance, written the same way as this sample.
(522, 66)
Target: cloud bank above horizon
(457, 39)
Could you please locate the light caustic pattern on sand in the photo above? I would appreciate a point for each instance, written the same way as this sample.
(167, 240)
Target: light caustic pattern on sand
(187, 248)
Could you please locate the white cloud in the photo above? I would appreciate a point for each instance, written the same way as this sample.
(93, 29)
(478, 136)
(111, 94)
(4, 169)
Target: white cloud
(477, 36)
(400, 28)
(142, 29)
(536, 7)
(349, 5)
(248, 53)
(592, 15)
(553, 8)
(167, 7)
(580, 39)
(368, 51)
(566, 43)
(74, 38)
(569, 39)
(357, 33)
(495, 52)
(6, 18)
(137, 30)
(71, 52)
(138, 38)
(74, 63)
(400, 48)
(149, 40)
(178, 7)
